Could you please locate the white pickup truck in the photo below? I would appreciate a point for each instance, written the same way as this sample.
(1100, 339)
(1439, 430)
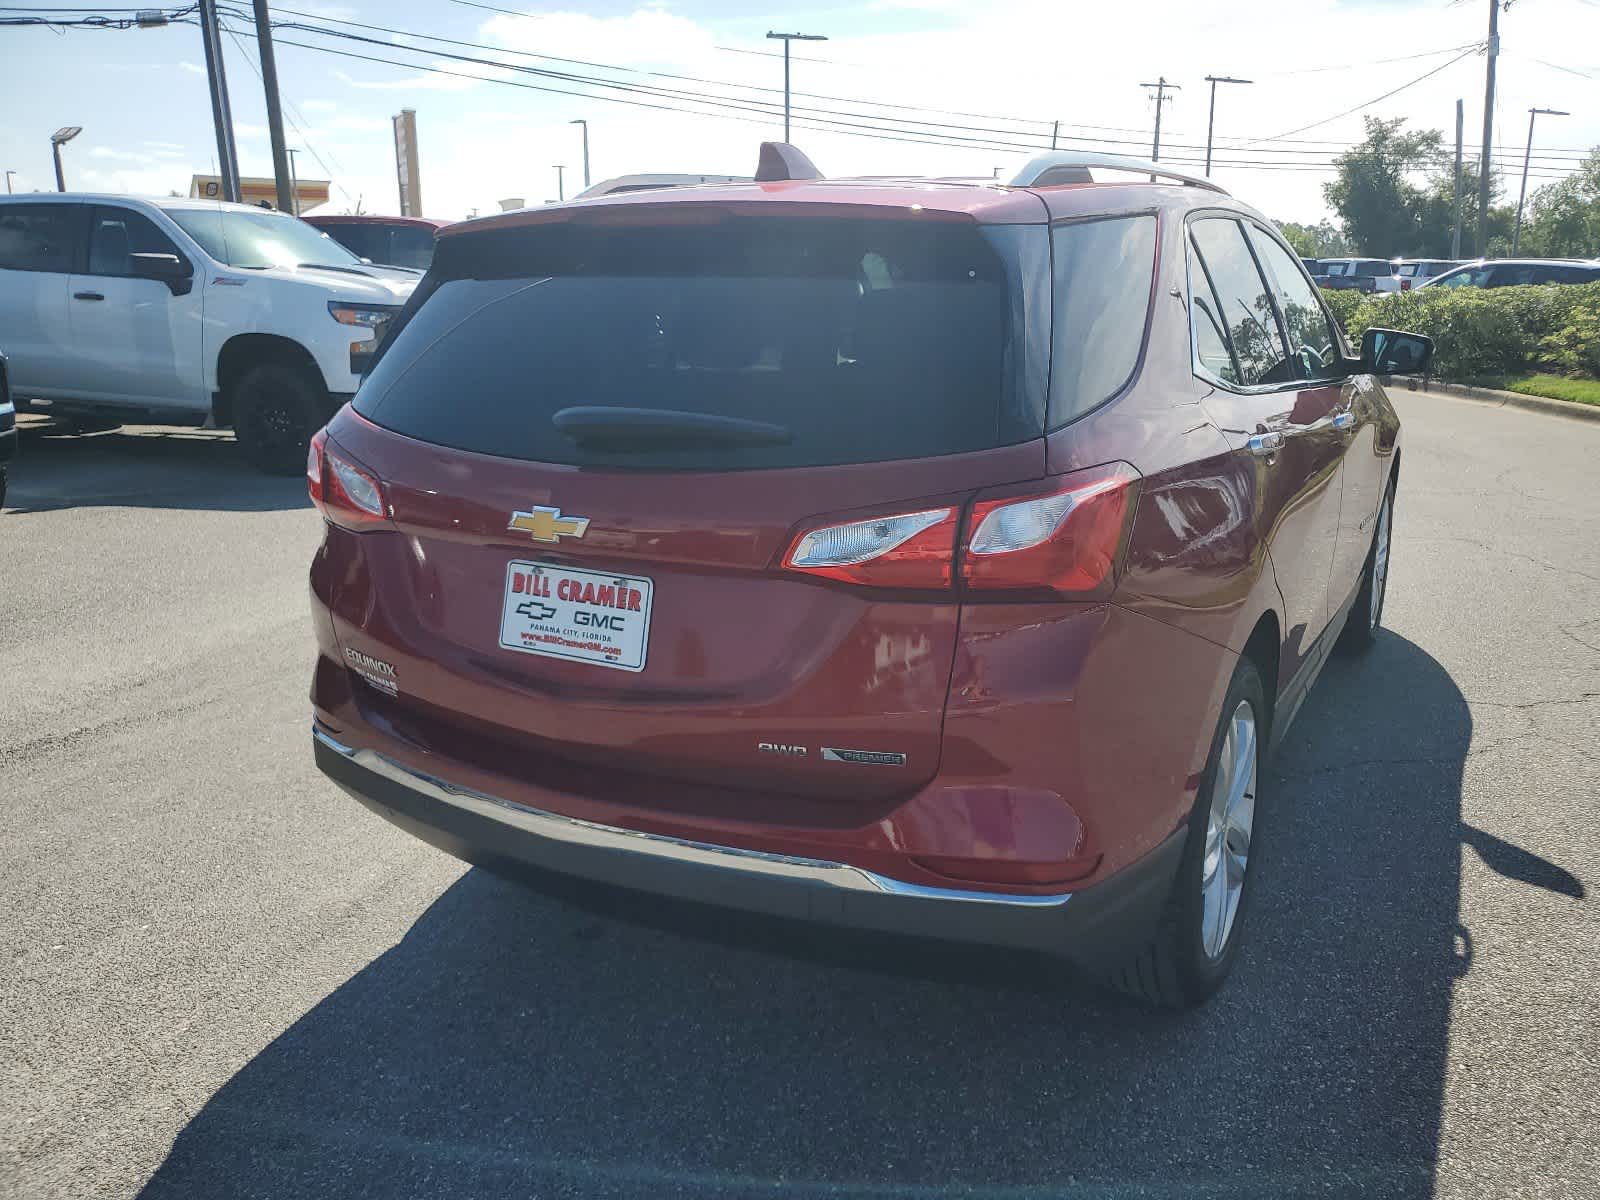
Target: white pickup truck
(191, 312)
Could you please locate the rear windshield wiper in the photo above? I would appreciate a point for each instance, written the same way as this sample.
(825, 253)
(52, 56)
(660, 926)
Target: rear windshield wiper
(654, 428)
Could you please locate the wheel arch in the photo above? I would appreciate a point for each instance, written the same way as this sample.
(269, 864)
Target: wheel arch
(1264, 648)
(243, 351)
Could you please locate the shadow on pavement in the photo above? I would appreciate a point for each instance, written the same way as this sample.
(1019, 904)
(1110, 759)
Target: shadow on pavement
(512, 1044)
(141, 467)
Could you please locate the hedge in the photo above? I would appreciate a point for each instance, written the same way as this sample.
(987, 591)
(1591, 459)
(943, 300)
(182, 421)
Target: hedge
(1488, 333)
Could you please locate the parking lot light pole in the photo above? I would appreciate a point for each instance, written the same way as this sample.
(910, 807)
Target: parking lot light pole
(585, 124)
(561, 183)
(58, 139)
(1533, 113)
(786, 38)
(1211, 122)
(9, 174)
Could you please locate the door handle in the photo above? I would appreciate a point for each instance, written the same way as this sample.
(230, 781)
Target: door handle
(87, 296)
(1344, 420)
(1266, 444)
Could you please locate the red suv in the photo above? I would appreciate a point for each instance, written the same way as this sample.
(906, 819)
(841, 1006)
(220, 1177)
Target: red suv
(931, 557)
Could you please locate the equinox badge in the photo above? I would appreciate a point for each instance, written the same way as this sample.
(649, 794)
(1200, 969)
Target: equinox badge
(545, 524)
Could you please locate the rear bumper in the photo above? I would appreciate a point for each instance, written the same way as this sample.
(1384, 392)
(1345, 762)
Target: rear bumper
(1091, 925)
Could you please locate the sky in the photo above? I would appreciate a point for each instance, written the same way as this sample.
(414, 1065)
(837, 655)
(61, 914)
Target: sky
(999, 72)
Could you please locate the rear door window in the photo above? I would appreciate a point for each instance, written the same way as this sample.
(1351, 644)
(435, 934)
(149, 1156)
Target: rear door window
(1102, 276)
(1241, 305)
(38, 237)
(858, 340)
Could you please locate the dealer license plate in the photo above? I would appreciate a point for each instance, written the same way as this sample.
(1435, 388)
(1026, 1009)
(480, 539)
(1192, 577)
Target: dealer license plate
(586, 616)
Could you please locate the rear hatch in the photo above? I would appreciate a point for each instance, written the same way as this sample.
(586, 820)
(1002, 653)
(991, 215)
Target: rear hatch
(599, 448)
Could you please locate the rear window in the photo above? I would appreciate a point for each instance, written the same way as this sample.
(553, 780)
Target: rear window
(859, 340)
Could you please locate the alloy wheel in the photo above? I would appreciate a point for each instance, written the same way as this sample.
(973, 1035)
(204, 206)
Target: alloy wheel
(1228, 827)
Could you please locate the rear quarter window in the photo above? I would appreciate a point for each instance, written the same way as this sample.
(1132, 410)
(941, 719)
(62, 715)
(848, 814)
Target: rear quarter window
(1102, 275)
(866, 340)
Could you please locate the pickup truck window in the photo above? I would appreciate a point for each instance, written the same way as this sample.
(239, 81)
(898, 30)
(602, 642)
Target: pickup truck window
(118, 233)
(258, 240)
(37, 237)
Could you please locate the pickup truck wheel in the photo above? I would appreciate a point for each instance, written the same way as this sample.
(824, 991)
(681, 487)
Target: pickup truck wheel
(276, 409)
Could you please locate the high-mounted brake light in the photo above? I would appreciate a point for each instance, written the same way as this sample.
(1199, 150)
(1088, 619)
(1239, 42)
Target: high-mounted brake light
(902, 550)
(346, 494)
(1064, 540)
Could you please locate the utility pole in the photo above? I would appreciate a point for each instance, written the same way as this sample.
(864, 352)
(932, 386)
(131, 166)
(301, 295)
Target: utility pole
(9, 174)
(294, 184)
(221, 114)
(561, 188)
(1516, 237)
(1485, 165)
(1054, 131)
(1211, 122)
(1162, 87)
(786, 38)
(282, 172)
(1455, 208)
(585, 124)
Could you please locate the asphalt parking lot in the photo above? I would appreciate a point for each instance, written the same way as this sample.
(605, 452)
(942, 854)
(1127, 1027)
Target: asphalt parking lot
(222, 978)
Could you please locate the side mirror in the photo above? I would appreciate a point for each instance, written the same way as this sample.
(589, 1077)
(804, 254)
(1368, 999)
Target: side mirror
(169, 269)
(1390, 352)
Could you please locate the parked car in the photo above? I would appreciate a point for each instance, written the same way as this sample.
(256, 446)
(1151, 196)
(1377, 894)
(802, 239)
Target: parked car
(8, 428)
(1514, 272)
(186, 311)
(392, 241)
(1354, 274)
(1414, 272)
(1313, 266)
(884, 553)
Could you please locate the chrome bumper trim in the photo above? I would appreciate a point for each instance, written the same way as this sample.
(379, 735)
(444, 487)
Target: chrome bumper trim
(557, 828)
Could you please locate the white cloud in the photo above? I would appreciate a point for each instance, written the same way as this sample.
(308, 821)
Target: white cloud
(192, 68)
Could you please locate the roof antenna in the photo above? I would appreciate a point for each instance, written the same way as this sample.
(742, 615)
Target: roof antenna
(780, 160)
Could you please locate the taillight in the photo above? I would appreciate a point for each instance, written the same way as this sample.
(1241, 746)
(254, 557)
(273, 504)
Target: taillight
(314, 468)
(1405, 285)
(902, 550)
(1065, 540)
(1058, 538)
(345, 493)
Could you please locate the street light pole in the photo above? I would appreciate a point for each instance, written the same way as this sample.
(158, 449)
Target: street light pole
(58, 139)
(585, 124)
(1211, 122)
(786, 38)
(561, 186)
(1516, 237)
(9, 174)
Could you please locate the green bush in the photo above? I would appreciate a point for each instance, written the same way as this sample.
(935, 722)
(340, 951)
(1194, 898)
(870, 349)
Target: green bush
(1488, 333)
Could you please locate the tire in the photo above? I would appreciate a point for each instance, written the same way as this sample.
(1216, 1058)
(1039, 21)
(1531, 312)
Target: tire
(1366, 614)
(276, 409)
(1197, 939)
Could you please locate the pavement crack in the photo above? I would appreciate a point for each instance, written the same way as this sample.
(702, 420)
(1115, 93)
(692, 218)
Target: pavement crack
(1530, 705)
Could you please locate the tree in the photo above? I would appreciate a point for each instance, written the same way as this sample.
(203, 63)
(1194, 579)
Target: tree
(1380, 209)
(1563, 218)
(1322, 240)
(1437, 214)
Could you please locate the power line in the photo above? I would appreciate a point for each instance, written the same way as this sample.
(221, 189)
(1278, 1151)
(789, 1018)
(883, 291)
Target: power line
(1378, 99)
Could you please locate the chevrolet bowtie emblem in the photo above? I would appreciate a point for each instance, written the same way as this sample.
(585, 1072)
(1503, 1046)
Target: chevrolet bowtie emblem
(544, 524)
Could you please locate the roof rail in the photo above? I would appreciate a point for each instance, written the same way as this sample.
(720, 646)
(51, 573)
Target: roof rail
(1072, 166)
